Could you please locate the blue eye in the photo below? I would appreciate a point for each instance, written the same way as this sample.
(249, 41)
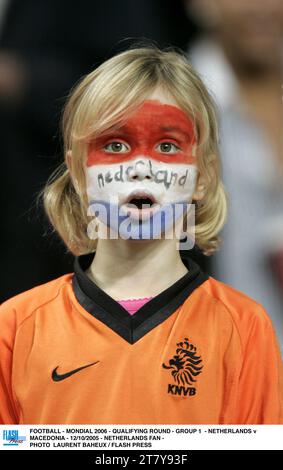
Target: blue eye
(116, 147)
(168, 147)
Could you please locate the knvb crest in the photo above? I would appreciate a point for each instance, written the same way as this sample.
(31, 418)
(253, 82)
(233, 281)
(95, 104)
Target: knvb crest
(185, 366)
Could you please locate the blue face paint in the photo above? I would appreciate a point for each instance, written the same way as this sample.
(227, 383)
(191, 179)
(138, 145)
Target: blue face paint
(130, 228)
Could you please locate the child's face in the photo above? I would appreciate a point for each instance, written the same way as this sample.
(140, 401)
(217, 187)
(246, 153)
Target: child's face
(145, 170)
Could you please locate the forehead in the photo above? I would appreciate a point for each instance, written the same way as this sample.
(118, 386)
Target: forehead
(155, 117)
(149, 124)
(158, 114)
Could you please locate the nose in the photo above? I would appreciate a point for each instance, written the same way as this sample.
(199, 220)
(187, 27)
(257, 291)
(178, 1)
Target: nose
(140, 171)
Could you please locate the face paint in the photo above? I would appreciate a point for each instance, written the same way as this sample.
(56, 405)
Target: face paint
(151, 156)
(153, 123)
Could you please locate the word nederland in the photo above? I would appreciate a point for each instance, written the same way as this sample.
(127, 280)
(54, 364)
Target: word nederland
(168, 178)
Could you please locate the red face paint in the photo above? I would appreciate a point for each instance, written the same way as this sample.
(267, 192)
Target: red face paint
(153, 124)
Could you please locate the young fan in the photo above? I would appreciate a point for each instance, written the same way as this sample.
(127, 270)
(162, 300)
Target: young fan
(138, 334)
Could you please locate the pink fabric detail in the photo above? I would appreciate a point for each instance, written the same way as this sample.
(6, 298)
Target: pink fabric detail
(132, 305)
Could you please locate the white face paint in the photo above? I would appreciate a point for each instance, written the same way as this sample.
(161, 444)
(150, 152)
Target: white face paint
(134, 168)
(165, 183)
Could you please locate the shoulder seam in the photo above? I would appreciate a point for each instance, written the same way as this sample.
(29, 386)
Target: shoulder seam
(16, 332)
(235, 372)
(40, 305)
(230, 315)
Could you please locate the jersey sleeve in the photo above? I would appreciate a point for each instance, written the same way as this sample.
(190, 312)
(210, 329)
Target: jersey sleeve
(8, 408)
(260, 383)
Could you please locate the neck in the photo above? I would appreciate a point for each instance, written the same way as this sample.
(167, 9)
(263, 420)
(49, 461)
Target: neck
(255, 72)
(251, 69)
(136, 269)
(268, 78)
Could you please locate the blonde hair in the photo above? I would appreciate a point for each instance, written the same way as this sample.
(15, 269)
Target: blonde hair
(104, 98)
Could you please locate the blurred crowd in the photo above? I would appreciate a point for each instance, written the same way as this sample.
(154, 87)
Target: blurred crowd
(236, 46)
(239, 54)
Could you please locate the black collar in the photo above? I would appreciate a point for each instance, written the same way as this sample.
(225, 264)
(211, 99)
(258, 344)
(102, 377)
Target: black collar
(133, 327)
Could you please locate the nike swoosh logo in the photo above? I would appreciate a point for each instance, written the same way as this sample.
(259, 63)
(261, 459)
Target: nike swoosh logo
(58, 377)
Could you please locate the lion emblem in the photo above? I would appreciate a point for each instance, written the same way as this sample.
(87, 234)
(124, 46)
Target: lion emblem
(185, 364)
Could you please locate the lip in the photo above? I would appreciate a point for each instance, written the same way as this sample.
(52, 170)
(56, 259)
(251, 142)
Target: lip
(140, 214)
(141, 195)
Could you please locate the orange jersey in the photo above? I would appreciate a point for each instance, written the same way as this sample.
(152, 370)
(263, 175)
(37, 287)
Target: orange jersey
(200, 352)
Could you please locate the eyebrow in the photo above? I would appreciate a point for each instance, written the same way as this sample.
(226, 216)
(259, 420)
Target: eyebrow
(174, 129)
(124, 130)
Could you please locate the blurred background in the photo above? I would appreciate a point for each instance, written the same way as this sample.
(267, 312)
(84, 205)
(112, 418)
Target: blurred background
(237, 47)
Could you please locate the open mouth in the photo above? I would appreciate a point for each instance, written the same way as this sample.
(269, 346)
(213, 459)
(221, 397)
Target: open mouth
(141, 205)
(140, 202)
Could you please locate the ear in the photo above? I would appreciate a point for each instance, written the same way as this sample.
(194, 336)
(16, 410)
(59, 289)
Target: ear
(68, 160)
(200, 188)
(69, 163)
